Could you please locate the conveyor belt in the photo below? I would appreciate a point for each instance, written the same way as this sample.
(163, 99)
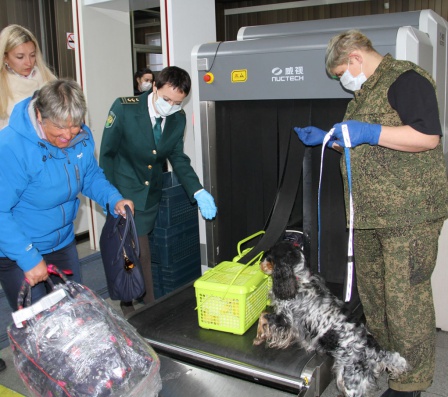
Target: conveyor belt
(181, 379)
(171, 326)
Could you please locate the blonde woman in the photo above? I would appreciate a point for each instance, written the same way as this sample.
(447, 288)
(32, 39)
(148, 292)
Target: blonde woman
(22, 69)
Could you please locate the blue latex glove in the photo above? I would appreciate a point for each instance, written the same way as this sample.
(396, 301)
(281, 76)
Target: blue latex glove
(206, 204)
(359, 133)
(312, 136)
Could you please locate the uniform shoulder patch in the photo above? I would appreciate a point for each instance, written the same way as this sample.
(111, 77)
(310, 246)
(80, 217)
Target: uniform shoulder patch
(110, 119)
(130, 100)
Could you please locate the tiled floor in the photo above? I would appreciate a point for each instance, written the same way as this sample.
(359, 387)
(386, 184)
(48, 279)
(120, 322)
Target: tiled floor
(11, 379)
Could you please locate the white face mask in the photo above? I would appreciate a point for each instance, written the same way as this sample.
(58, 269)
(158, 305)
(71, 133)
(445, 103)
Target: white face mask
(165, 109)
(352, 83)
(145, 86)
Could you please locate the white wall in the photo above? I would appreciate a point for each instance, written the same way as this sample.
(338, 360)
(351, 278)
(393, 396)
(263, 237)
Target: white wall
(104, 69)
(190, 23)
(440, 281)
(187, 28)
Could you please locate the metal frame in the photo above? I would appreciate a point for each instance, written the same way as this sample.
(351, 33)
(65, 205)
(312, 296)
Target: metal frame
(286, 6)
(207, 120)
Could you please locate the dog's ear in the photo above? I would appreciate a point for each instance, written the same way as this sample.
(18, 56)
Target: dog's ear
(284, 285)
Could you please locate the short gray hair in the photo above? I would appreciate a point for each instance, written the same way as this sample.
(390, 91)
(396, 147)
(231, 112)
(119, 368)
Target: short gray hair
(60, 100)
(341, 45)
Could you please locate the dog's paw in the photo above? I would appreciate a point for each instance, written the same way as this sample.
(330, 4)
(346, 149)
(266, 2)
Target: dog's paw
(262, 330)
(397, 365)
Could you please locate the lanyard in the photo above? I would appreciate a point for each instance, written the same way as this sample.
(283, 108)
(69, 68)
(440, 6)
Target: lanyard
(349, 277)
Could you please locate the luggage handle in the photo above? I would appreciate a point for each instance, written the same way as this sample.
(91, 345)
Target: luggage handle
(129, 225)
(25, 312)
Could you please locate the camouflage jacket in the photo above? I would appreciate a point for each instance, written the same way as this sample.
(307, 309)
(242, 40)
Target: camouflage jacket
(392, 188)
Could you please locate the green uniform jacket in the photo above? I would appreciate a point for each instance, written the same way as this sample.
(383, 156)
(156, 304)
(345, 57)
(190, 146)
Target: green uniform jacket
(133, 163)
(392, 188)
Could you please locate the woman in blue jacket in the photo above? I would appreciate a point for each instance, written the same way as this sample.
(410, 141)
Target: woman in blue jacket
(48, 158)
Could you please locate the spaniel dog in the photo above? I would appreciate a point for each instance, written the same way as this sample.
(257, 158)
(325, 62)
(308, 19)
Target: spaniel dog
(306, 312)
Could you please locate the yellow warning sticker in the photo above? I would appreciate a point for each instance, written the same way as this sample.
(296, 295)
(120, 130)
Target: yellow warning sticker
(239, 76)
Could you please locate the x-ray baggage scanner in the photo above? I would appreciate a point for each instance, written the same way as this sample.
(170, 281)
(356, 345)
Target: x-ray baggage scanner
(248, 95)
(421, 38)
(240, 82)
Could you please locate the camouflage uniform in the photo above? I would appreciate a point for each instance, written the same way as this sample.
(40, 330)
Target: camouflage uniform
(400, 202)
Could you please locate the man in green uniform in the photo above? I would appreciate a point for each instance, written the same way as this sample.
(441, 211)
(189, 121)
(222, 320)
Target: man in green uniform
(400, 197)
(140, 134)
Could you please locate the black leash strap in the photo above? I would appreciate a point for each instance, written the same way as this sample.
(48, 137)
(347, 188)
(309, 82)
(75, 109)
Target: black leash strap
(286, 193)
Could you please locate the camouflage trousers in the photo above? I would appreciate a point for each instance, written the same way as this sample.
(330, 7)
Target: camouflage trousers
(393, 268)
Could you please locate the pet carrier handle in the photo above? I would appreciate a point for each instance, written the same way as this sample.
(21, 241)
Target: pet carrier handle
(245, 240)
(254, 259)
(128, 228)
(244, 267)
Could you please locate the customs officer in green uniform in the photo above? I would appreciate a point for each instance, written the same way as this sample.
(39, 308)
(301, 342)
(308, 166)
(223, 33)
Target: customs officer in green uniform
(140, 134)
(400, 197)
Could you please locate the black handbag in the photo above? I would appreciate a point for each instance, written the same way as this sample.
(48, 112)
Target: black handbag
(120, 253)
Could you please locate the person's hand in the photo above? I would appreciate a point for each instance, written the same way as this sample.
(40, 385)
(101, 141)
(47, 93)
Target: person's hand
(310, 136)
(206, 204)
(119, 207)
(37, 274)
(359, 133)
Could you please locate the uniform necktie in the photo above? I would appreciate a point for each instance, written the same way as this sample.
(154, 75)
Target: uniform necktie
(157, 129)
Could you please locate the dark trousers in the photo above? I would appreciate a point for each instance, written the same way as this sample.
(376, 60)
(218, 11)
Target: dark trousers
(394, 267)
(12, 276)
(145, 260)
